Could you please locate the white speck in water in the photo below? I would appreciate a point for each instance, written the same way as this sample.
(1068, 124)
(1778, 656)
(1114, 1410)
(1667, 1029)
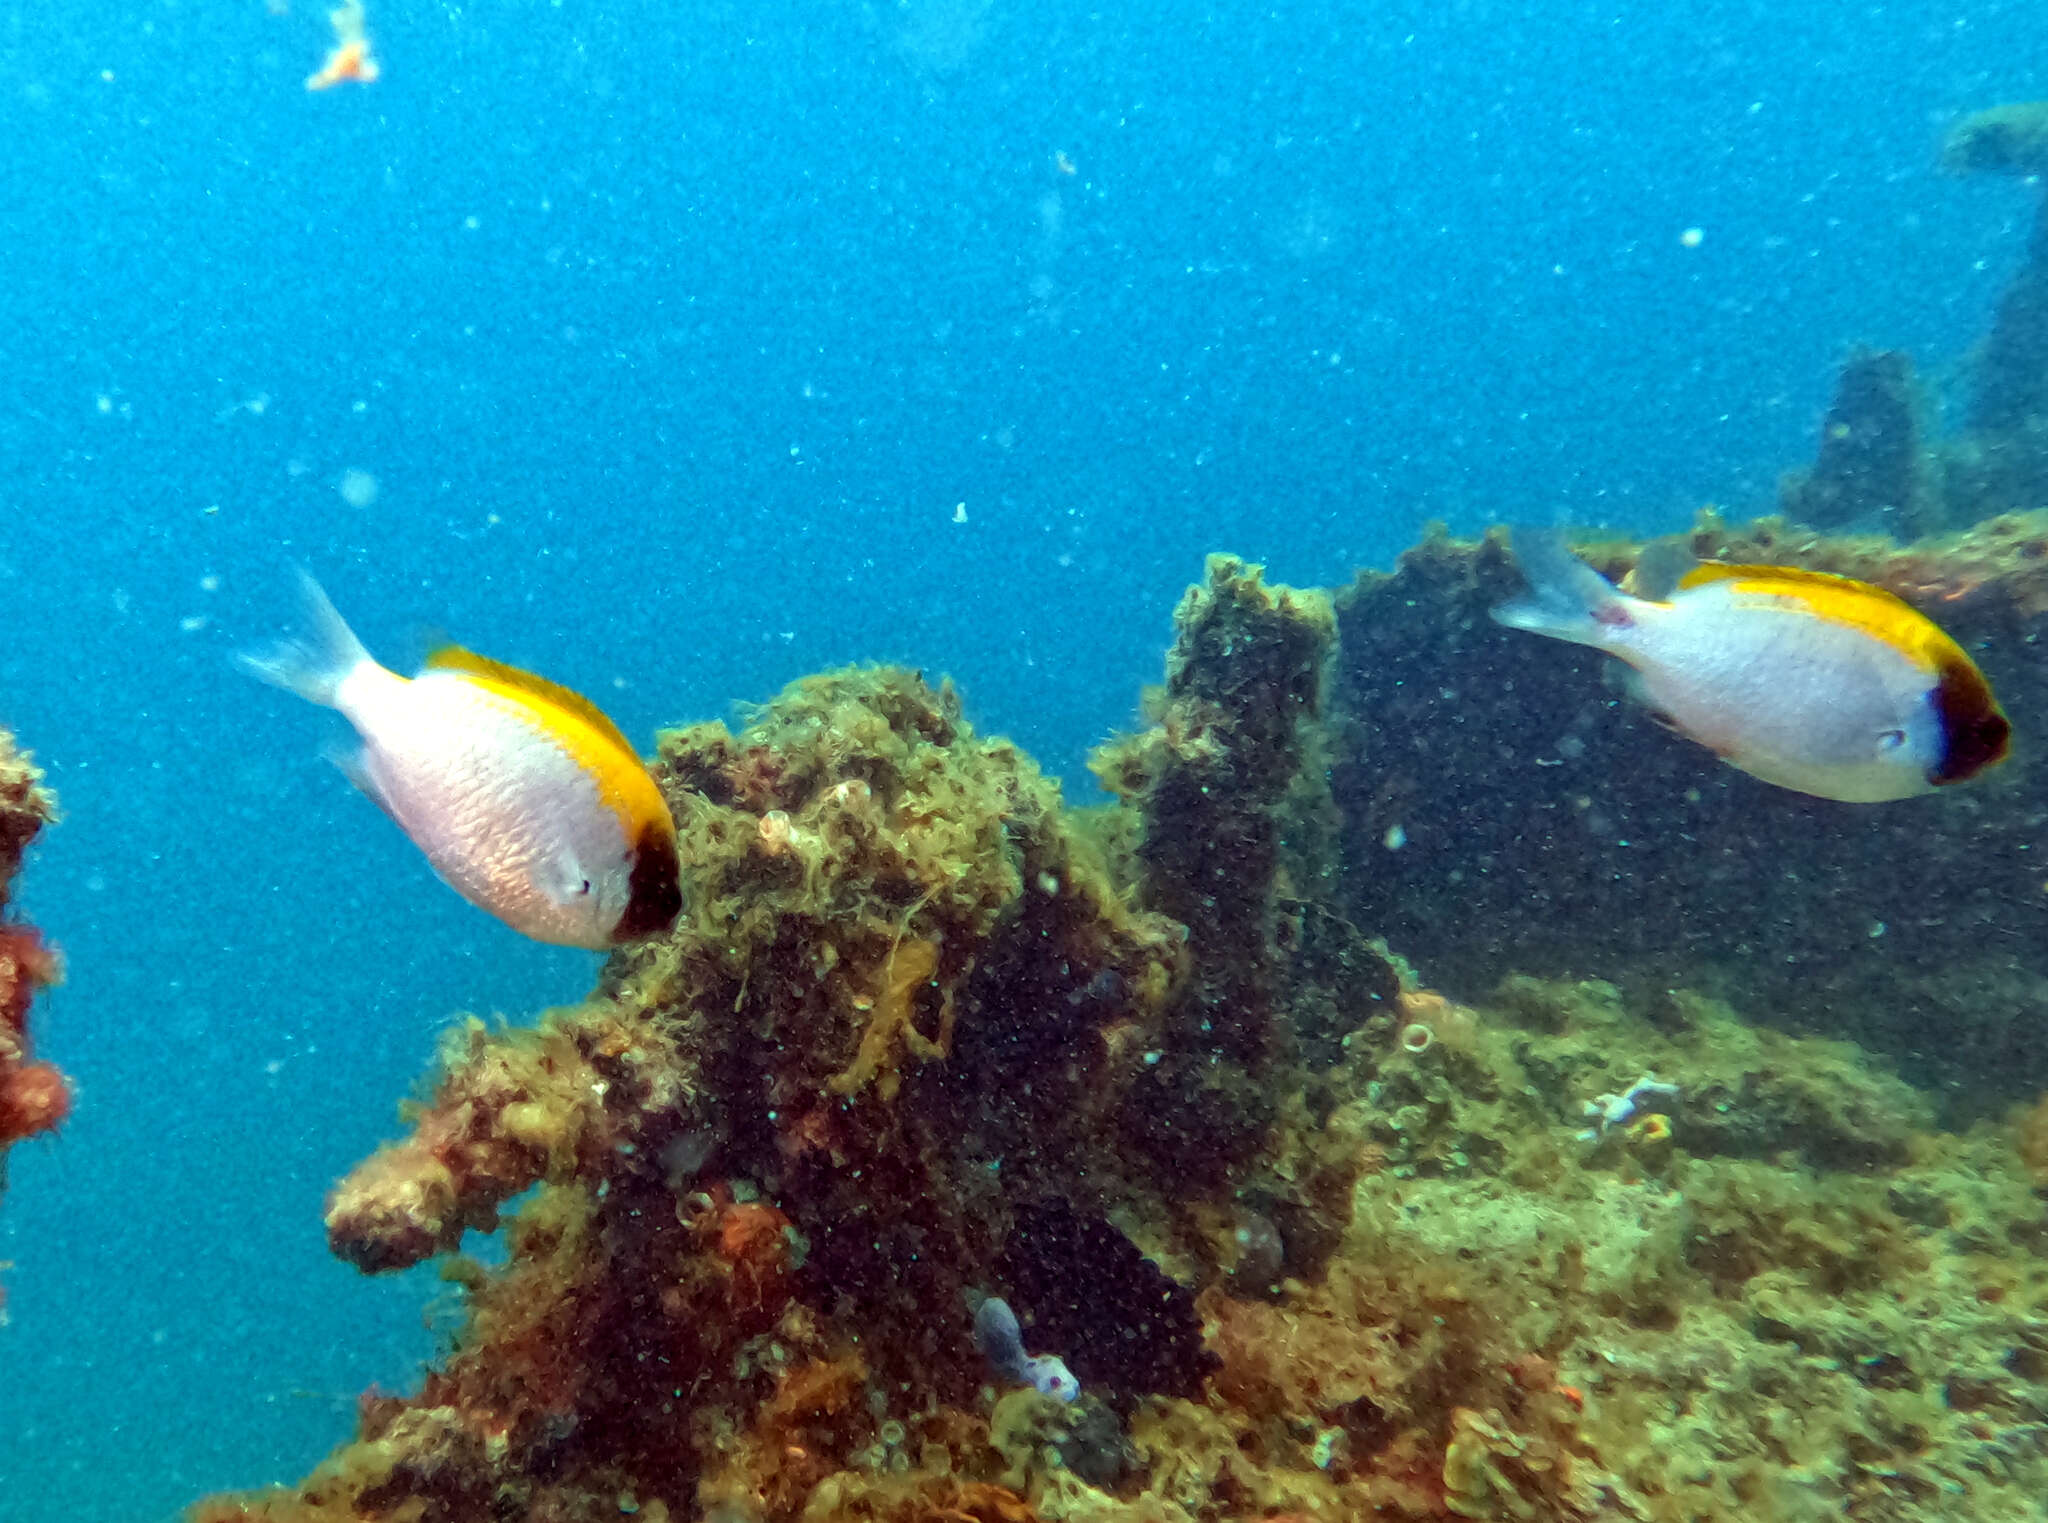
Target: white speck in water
(358, 488)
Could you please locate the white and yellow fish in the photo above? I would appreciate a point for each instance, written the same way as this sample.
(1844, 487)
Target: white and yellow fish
(525, 798)
(1817, 683)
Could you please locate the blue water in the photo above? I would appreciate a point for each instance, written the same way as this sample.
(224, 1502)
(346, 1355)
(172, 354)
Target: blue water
(672, 337)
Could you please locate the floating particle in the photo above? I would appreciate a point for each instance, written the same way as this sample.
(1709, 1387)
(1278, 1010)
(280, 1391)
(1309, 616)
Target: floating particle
(358, 488)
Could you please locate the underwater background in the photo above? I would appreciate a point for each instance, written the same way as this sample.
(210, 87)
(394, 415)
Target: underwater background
(679, 350)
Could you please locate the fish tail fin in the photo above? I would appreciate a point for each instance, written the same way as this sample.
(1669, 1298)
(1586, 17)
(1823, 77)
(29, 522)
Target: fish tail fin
(1566, 598)
(314, 662)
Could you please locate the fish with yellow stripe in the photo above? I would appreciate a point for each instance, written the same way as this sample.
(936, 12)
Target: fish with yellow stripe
(526, 799)
(1818, 683)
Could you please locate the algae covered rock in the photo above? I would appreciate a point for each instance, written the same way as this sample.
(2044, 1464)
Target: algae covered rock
(1508, 810)
(1649, 1238)
(779, 1146)
(2010, 139)
(1874, 471)
(34, 1097)
(2000, 462)
(1211, 777)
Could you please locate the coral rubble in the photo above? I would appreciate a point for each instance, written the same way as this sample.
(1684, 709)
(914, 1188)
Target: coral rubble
(34, 1097)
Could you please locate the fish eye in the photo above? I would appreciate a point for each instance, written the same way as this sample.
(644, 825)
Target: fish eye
(1890, 740)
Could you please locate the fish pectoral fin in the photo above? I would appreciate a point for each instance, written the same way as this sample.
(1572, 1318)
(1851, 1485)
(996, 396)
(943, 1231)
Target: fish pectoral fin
(1638, 691)
(1667, 722)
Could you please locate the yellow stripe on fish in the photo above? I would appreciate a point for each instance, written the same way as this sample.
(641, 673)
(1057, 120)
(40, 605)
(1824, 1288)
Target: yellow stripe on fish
(583, 730)
(1840, 600)
(526, 799)
(1815, 682)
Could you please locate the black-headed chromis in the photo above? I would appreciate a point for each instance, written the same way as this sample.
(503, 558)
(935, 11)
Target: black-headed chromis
(525, 798)
(1817, 683)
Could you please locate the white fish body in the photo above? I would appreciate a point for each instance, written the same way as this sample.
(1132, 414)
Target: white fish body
(1819, 684)
(519, 803)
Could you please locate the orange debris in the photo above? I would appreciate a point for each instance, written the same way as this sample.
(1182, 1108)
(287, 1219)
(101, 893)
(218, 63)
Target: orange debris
(350, 58)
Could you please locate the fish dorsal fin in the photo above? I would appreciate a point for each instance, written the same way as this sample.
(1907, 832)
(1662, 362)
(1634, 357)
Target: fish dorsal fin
(456, 658)
(1842, 600)
(1661, 569)
(1791, 581)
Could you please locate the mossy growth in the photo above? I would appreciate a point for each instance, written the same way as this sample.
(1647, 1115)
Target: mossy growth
(780, 1144)
(1211, 779)
(1557, 1332)
(2010, 139)
(1548, 1250)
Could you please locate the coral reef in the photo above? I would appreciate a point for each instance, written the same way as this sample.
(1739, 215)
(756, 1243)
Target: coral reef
(780, 1147)
(1089, 1289)
(1801, 1303)
(2000, 461)
(1879, 467)
(34, 1097)
(1319, 1241)
(2010, 139)
(1509, 812)
(1873, 472)
(1211, 776)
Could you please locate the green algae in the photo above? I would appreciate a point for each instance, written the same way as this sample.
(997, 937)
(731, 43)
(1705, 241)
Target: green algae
(913, 998)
